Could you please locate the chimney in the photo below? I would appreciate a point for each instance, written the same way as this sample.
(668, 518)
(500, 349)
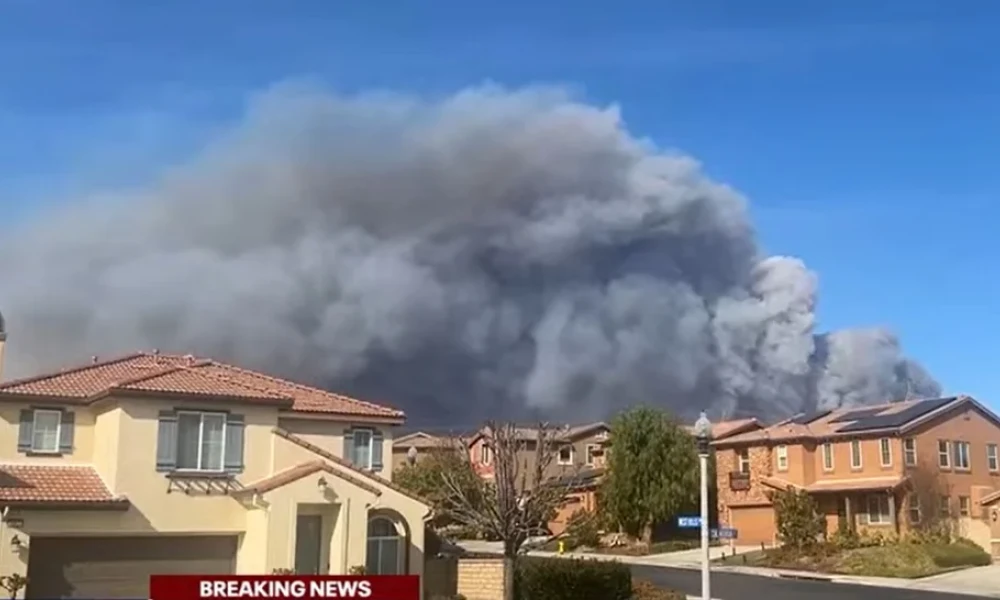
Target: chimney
(3, 342)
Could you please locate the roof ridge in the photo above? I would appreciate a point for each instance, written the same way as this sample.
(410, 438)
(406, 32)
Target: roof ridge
(198, 368)
(309, 388)
(164, 370)
(68, 370)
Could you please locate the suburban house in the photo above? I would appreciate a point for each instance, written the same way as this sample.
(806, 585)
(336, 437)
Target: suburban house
(147, 463)
(885, 468)
(417, 445)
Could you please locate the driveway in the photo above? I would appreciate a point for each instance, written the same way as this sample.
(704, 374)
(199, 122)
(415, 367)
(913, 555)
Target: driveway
(980, 580)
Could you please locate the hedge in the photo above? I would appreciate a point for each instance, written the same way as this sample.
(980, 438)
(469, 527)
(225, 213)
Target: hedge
(572, 579)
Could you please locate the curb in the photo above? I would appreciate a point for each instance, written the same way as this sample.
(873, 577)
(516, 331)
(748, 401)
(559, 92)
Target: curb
(805, 577)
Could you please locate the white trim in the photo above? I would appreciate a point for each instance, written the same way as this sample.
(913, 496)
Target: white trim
(781, 453)
(827, 452)
(34, 420)
(559, 456)
(740, 461)
(968, 506)
(201, 414)
(589, 457)
(859, 455)
(995, 458)
(968, 456)
(907, 453)
(885, 448)
(371, 446)
(946, 454)
(883, 518)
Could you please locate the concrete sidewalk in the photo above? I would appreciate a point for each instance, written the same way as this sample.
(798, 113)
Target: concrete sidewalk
(976, 581)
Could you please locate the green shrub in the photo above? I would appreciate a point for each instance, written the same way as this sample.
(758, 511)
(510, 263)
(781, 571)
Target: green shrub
(582, 529)
(962, 553)
(566, 579)
(800, 525)
(897, 560)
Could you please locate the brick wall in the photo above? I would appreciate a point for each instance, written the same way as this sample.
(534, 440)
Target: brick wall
(481, 578)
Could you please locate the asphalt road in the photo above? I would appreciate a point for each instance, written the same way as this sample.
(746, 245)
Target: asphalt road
(735, 586)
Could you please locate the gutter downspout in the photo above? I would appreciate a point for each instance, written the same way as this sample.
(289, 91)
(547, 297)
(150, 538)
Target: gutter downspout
(347, 536)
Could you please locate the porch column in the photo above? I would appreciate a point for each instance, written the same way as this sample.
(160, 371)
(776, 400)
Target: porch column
(848, 512)
(892, 510)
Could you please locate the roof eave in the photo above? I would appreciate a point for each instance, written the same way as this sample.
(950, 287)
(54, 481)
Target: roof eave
(120, 504)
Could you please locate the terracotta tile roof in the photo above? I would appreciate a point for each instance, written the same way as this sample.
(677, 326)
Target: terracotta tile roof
(54, 485)
(421, 440)
(291, 437)
(563, 433)
(829, 424)
(840, 485)
(724, 429)
(297, 472)
(154, 373)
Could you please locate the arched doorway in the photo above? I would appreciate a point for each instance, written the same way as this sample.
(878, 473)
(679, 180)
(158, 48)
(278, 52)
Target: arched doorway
(386, 547)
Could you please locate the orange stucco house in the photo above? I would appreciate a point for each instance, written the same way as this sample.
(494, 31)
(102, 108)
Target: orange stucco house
(116, 469)
(866, 467)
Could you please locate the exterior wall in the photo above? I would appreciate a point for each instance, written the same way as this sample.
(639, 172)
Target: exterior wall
(83, 436)
(726, 461)
(583, 500)
(527, 457)
(329, 435)
(481, 578)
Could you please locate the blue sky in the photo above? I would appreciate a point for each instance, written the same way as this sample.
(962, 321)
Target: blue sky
(864, 133)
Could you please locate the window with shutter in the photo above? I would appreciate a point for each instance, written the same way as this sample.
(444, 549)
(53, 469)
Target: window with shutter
(46, 431)
(191, 441)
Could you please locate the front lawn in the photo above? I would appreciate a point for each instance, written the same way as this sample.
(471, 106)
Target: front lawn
(891, 559)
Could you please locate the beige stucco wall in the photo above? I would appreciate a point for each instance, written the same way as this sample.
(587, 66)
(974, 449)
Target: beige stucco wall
(119, 440)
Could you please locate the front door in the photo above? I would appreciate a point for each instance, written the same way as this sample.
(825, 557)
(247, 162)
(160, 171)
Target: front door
(308, 544)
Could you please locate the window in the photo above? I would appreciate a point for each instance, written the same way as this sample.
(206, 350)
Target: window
(385, 548)
(944, 506)
(45, 432)
(992, 460)
(592, 451)
(782, 454)
(856, 454)
(944, 454)
(485, 455)
(565, 455)
(885, 452)
(913, 504)
(961, 455)
(200, 441)
(964, 506)
(878, 509)
(743, 459)
(828, 457)
(910, 452)
(361, 455)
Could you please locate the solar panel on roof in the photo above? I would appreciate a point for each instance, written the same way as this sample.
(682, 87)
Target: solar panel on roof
(854, 415)
(806, 418)
(898, 419)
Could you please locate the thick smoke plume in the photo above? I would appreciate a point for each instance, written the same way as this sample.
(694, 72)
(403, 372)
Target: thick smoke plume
(497, 253)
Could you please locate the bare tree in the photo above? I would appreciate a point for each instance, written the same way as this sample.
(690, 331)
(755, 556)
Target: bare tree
(929, 495)
(519, 500)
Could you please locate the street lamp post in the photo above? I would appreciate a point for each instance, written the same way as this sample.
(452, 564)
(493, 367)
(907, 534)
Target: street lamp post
(703, 433)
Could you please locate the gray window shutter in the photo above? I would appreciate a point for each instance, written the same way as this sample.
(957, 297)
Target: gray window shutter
(66, 430)
(234, 443)
(166, 441)
(349, 446)
(377, 439)
(26, 430)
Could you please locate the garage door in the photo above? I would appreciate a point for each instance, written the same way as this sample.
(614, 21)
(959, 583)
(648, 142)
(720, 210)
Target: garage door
(754, 524)
(119, 567)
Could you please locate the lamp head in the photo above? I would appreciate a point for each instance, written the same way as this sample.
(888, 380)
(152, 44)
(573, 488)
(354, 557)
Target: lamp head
(703, 427)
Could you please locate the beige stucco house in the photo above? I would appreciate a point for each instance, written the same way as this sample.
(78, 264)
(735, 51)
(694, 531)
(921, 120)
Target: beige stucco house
(150, 463)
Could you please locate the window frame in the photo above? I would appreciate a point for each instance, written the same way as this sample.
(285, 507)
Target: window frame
(967, 455)
(828, 454)
(201, 440)
(485, 453)
(884, 451)
(743, 460)
(559, 456)
(993, 458)
(883, 518)
(944, 506)
(589, 454)
(781, 453)
(945, 454)
(856, 452)
(34, 428)
(964, 506)
(370, 432)
(913, 508)
(910, 453)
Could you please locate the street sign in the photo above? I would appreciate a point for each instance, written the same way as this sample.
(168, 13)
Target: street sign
(726, 533)
(689, 522)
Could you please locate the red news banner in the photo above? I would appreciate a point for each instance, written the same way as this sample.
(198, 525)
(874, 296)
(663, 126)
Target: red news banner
(283, 587)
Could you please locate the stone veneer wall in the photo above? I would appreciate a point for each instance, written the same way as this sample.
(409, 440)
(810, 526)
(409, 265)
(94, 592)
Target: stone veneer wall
(760, 467)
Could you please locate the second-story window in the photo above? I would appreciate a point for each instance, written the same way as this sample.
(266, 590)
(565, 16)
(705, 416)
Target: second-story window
(782, 457)
(201, 439)
(910, 452)
(362, 448)
(828, 456)
(45, 433)
(944, 454)
(743, 460)
(992, 459)
(485, 454)
(856, 454)
(885, 452)
(566, 455)
(592, 451)
(961, 455)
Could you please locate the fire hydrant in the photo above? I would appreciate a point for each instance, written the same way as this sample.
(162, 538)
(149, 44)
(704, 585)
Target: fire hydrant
(562, 546)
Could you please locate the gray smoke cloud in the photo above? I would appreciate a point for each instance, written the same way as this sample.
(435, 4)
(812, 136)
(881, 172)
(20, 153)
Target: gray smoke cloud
(495, 253)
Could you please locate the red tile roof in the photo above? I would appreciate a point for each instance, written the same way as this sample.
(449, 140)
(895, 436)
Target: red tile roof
(724, 429)
(161, 374)
(297, 472)
(31, 484)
